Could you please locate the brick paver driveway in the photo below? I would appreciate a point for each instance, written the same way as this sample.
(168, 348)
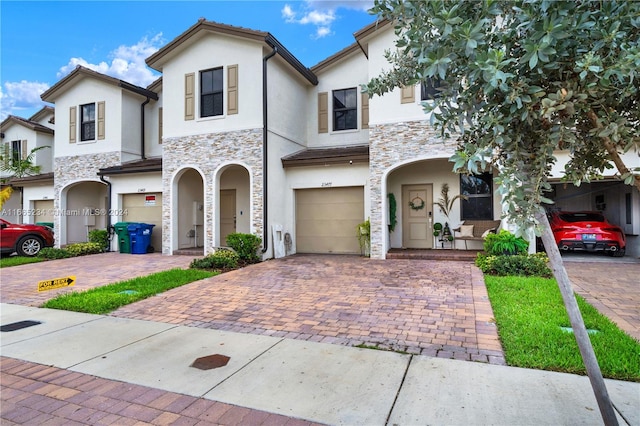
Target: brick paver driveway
(611, 287)
(434, 308)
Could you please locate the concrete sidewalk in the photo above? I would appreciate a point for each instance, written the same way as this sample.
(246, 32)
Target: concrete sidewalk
(304, 381)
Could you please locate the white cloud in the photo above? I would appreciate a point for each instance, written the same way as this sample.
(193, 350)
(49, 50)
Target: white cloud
(20, 96)
(336, 4)
(321, 14)
(127, 62)
(288, 14)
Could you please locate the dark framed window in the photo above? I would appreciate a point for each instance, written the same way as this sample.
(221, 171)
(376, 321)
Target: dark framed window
(87, 122)
(479, 192)
(429, 89)
(16, 151)
(345, 109)
(211, 92)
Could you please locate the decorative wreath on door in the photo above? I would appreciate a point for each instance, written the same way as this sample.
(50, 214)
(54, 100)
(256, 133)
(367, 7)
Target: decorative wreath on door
(417, 203)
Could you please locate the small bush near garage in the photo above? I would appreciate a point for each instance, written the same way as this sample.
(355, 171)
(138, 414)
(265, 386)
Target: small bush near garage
(83, 249)
(533, 265)
(72, 250)
(99, 236)
(52, 253)
(246, 245)
(221, 259)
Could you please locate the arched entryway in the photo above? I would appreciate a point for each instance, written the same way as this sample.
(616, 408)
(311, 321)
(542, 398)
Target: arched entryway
(233, 209)
(82, 209)
(416, 186)
(188, 210)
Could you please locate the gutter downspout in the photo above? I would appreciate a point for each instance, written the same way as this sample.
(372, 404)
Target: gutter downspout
(265, 199)
(109, 228)
(142, 147)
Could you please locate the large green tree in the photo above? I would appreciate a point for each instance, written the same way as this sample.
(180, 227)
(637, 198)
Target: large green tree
(519, 81)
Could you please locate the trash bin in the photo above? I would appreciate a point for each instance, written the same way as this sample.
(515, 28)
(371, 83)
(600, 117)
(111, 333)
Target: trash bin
(124, 242)
(140, 235)
(49, 224)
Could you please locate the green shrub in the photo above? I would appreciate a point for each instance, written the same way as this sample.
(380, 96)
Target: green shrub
(100, 236)
(221, 259)
(505, 243)
(534, 265)
(53, 253)
(82, 249)
(246, 245)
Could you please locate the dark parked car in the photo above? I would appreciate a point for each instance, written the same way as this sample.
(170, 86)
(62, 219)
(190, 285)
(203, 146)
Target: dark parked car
(587, 231)
(25, 239)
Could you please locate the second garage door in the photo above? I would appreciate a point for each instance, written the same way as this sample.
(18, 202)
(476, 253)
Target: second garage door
(327, 219)
(145, 208)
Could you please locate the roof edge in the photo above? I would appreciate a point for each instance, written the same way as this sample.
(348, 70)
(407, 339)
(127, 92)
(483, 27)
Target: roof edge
(50, 94)
(336, 57)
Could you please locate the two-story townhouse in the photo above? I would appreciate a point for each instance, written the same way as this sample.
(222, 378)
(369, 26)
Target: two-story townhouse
(32, 199)
(239, 136)
(233, 104)
(100, 123)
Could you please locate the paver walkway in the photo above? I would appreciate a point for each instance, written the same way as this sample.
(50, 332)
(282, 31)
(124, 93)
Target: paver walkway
(418, 306)
(35, 394)
(612, 288)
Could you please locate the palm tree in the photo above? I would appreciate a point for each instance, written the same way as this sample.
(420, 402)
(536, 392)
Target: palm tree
(18, 167)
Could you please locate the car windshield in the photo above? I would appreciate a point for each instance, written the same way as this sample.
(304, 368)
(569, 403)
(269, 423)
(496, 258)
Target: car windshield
(582, 217)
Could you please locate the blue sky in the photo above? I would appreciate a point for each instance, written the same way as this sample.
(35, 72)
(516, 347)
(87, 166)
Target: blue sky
(42, 41)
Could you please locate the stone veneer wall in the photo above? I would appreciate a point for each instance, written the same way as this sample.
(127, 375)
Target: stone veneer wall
(390, 145)
(76, 168)
(208, 152)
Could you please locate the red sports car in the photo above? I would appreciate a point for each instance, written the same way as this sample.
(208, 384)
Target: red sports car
(587, 231)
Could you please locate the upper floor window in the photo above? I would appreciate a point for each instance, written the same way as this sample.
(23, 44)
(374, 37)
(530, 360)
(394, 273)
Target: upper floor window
(345, 109)
(87, 122)
(16, 152)
(211, 92)
(479, 202)
(429, 89)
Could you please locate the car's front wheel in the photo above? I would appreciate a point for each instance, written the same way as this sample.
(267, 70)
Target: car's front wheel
(29, 246)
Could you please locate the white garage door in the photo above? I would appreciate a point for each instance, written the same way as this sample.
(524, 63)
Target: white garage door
(327, 219)
(44, 210)
(145, 208)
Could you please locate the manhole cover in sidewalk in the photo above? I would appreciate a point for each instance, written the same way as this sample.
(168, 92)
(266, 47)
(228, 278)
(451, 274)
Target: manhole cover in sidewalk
(210, 362)
(19, 325)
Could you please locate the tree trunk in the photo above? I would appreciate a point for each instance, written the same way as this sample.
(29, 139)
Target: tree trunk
(577, 323)
(613, 152)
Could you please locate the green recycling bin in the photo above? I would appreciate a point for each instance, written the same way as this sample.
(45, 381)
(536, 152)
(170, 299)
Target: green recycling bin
(49, 224)
(124, 241)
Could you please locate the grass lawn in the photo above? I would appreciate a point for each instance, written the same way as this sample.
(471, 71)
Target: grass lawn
(101, 300)
(5, 262)
(530, 312)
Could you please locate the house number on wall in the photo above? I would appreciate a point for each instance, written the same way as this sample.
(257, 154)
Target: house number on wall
(326, 184)
(142, 190)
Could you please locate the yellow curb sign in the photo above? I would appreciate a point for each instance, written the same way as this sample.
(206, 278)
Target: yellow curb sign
(56, 283)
